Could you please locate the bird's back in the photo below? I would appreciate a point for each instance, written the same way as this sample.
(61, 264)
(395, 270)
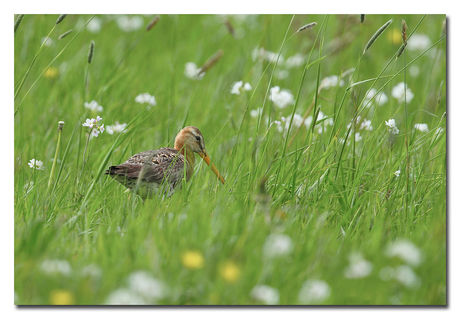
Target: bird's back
(151, 170)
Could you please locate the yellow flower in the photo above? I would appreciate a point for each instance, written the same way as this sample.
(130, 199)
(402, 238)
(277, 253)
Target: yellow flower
(395, 36)
(51, 73)
(62, 297)
(193, 259)
(230, 271)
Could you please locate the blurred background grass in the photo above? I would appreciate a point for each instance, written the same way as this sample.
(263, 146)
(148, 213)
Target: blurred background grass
(214, 244)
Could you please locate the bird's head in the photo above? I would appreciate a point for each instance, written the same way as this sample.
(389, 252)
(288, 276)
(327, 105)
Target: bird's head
(191, 139)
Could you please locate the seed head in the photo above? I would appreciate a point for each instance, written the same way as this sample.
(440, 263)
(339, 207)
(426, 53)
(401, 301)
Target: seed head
(377, 34)
(152, 23)
(61, 17)
(230, 28)
(91, 51)
(362, 17)
(211, 61)
(62, 36)
(403, 31)
(60, 125)
(307, 26)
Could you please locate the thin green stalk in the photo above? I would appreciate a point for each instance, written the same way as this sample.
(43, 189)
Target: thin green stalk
(32, 63)
(61, 125)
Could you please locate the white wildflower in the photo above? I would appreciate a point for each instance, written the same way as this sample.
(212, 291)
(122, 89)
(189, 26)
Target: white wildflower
(380, 99)
(414, 70)
(418, 42)
(92, 124)
(281, 98)
(95, 25)
(295, 61)
(422, 127)
(387, 273)
(124, 296)
(238, 87)
(277, 245)
(331, 81)
(314, 291)
(279, 126)
(406, 251)
(397, 173)
(256, 112)
(281, 74)
(91, 270)
(398, 93)
(36, 164)
(405, 275)
(297, 121)
(116, 128)
(391, 123)
(55, 266)
(266, 55)
(146, 98)
(358, 267)
(93, 106)
(247, 86)
(47, 42)
(358, 137)
(128, 24)
(265, 294)
(145, 285)
(191, 71)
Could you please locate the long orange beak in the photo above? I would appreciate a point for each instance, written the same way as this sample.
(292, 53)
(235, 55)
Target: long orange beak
(207, 159)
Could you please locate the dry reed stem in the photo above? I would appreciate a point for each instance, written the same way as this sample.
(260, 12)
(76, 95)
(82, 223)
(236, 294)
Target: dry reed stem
(91, 52)
(152, 23)
(211, 61)
(230, 28)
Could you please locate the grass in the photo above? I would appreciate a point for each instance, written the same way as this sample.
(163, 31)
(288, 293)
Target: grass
(333, 194)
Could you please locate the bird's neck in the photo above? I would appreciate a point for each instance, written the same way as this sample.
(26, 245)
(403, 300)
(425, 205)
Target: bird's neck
(186, 150)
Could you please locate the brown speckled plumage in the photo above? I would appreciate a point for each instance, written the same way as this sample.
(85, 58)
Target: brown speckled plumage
(163, 169)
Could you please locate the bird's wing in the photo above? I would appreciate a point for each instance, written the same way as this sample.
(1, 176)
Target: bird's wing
(150, 166)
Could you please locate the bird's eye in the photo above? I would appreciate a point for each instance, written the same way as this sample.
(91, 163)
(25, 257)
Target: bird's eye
(197, 138)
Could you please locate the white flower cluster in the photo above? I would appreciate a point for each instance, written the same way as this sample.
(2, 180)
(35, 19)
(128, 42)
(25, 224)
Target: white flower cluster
(277, 245)
(422, 127)
(56, 266)
(398, 92)
(238, 87)
(142, 289)
(281, 98)
(93, 106)
(36, 164)
(418, 42)
(95, 25)
(265, 294)
(397, 173)
(391, 123)
(191, 71)
(146, 98)
(331, 81)
(314, 291)
(365, 124)
(93, 125)
(358, 267)
(116, 128)
(128, 24)
(380, 99)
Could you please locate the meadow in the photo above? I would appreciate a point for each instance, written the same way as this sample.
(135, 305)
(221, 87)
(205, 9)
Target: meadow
(331, 140)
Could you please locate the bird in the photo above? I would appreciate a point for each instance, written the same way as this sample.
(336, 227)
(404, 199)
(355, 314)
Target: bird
(161, 171)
